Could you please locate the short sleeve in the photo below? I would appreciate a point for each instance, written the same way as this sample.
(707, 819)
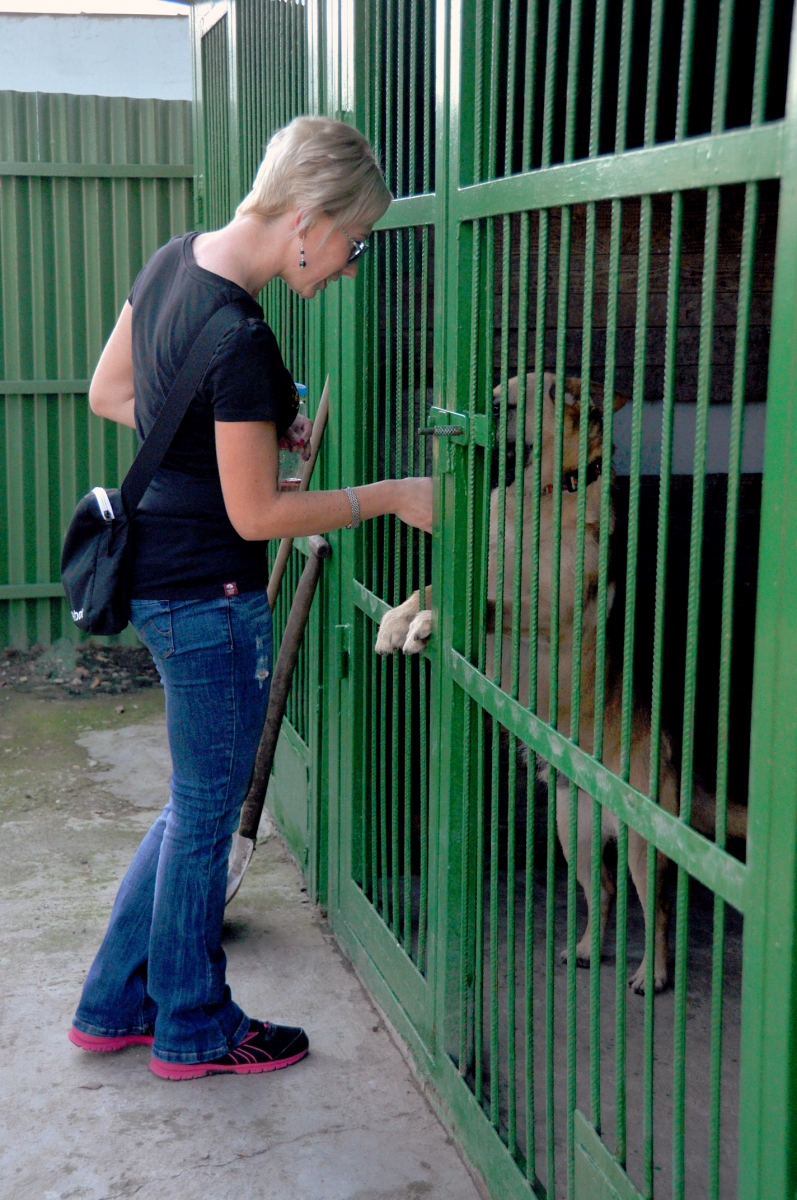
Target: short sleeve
(247, 379)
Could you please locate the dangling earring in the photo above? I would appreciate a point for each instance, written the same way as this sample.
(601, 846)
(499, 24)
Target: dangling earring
(302, 262)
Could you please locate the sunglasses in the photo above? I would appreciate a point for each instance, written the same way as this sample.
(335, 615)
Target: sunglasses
(357, 248)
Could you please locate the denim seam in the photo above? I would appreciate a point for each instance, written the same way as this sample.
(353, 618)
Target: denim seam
(230, 770)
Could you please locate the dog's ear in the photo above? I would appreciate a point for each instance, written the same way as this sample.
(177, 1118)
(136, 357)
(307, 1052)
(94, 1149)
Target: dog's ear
(597, 397)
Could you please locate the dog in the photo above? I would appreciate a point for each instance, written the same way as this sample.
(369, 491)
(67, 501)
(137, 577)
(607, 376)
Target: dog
(409, 626)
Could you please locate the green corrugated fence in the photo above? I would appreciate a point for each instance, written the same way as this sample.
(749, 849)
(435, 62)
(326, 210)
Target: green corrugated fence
(90, 186)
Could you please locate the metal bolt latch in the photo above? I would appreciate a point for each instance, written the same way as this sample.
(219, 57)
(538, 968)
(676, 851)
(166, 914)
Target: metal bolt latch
(443, 430)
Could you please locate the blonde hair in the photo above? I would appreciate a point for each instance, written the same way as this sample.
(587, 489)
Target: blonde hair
(322, 167)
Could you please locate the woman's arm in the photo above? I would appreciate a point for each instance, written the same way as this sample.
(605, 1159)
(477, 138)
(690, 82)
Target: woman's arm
(111, 389)
(247, 455)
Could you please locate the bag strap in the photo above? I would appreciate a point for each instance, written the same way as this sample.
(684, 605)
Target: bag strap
(175, 406)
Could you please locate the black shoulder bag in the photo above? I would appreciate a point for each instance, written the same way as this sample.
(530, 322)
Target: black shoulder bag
(95, 561)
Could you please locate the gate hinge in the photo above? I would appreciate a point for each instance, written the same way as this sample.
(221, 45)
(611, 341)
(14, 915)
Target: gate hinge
(342, 649)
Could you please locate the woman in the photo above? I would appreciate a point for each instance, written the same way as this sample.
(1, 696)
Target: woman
(199, 581)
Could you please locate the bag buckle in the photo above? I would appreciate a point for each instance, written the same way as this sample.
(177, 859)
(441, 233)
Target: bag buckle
(104, 504)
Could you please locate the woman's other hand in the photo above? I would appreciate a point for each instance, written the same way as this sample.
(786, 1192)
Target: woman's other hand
(415, 502)
(297, 436)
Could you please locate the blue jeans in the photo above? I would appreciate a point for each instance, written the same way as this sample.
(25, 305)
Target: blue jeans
(161, 963)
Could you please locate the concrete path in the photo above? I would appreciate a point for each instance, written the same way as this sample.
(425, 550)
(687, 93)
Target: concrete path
(79, 783)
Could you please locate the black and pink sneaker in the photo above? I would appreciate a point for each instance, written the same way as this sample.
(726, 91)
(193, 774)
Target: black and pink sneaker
(266, 1047)
(106, 1045)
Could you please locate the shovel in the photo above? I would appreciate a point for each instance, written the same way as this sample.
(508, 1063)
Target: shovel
(245, 838)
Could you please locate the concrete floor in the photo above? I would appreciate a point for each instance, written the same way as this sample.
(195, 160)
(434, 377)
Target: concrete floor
(79, 784)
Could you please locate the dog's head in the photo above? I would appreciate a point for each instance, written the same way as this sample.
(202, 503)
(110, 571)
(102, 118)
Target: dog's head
(574, 407)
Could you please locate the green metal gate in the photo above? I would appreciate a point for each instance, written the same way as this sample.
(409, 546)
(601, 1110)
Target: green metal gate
(601, 190)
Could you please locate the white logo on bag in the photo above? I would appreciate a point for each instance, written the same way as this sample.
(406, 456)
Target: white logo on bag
(77, 615)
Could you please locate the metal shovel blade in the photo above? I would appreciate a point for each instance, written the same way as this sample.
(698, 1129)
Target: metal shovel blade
(240, 854)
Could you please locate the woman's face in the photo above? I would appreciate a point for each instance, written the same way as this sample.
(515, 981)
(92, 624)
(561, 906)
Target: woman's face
(326, 254)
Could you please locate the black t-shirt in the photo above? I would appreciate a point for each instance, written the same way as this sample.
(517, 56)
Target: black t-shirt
(185, 545)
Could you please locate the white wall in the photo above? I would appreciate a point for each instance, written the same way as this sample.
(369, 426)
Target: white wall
(142, 57)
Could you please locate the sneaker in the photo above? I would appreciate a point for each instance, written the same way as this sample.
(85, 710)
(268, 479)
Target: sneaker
(266, 1047)
(106, 1045)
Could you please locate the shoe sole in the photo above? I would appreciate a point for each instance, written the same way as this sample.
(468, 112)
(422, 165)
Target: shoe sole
(179, 1071)
(107, 1045)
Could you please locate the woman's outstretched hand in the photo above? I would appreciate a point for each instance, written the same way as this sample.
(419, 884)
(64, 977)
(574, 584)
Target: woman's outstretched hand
(415, 502)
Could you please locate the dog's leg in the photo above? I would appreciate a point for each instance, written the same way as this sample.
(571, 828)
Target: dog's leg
(395, 624)
(418, 633)
(638, 866)
(584, 866)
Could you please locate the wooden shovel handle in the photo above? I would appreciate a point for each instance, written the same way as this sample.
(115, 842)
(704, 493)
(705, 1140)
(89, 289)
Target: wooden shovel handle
(281, 686)
(286, 544)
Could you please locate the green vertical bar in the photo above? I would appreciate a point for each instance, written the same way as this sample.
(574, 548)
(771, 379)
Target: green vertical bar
(388, 573)
(427, 183)
(495, 1047)
(768, 1091)
(729, 566)
(410, 691)
(396, 374)
(478, 1037)
(495, 86)
(422, 565)
(488, 317)
(401, 84)
(621, 904)
(586, 369)
(550, 950)
(572, 1014)
(390, 101)
(529, 83)
(373, 278)
(506, 275)
(467, 867)
(534, 567)
(640, 341)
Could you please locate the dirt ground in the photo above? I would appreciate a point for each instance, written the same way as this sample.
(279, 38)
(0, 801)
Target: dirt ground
(67, 669)
(81, 778)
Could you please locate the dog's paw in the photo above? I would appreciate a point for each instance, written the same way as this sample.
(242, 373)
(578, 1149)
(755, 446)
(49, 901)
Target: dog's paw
(583, 956)
(393, 629)
(637, 982)
(418, 633)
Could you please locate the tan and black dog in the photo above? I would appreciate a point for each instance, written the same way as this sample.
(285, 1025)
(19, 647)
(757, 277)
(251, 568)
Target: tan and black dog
(409, 626)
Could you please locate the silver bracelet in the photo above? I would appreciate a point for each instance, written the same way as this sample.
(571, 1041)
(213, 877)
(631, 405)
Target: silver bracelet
(355, 508)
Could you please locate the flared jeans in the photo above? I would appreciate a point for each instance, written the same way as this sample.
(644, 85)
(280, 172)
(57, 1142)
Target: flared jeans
(161, 965)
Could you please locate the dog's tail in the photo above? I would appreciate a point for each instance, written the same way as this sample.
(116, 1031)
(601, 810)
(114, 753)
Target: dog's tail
(704, 814)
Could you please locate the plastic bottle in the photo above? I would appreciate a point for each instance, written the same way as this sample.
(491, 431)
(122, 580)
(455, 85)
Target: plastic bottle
(291, 463)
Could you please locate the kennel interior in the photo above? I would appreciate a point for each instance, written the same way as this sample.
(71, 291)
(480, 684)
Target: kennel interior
(601, 190)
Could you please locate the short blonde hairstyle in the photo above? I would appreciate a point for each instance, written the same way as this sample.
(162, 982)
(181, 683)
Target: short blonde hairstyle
(322, 167)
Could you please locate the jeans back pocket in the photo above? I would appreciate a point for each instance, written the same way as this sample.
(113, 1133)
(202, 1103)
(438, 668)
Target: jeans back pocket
(152, 621)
